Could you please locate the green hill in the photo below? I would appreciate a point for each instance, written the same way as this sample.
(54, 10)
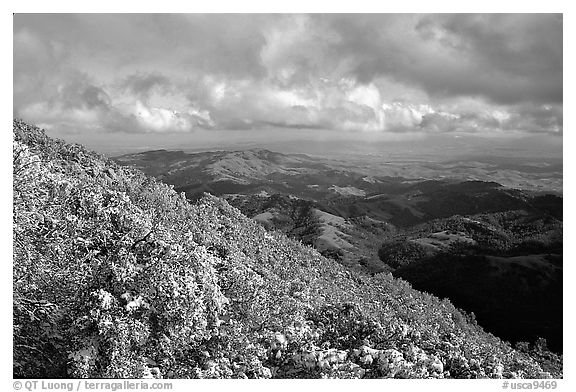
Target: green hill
(117, 275)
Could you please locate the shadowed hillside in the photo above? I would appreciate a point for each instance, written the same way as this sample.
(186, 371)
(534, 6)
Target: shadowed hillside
(117, 275)
(505, 267)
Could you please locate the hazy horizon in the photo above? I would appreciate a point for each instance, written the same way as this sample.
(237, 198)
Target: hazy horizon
(436, 85)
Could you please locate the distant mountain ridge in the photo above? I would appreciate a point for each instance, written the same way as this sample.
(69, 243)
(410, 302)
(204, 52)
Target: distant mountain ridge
(116, 275)
(256, 170)
(240, 167)
(268, 185)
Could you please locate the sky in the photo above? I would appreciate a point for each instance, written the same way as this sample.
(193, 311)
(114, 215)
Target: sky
(156, 80)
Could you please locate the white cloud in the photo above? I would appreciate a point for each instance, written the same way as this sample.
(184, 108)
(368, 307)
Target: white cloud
(348, 73)
(159, 119)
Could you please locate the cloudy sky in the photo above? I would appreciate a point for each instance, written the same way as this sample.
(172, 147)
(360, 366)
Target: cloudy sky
(156, 77)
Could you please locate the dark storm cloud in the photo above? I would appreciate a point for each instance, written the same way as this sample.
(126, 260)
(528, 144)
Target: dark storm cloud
(505, 58)
(218, 43)
(537, 118)
(513, 58)
(79, 93)
(142, 85)
(367, 73)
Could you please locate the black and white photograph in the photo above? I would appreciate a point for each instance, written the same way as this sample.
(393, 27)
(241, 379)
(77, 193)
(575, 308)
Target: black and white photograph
(287, 196)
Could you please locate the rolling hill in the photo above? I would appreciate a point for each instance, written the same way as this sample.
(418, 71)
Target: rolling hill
(282, 190)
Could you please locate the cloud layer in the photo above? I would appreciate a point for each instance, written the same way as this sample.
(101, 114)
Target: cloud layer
(484, 74)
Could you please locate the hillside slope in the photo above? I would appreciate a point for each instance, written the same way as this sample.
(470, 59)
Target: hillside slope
(117, 275)
(505, 267)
